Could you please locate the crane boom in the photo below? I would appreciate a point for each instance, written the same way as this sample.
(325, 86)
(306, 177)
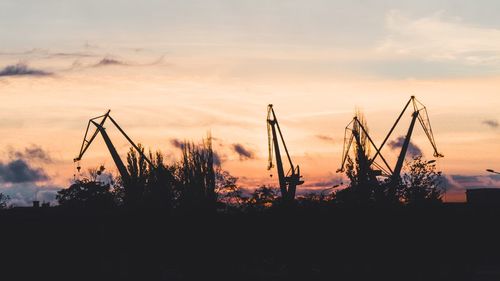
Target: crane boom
(347, 147)
(420, 114)
(288, 183)
(86, 143)
(391, 130)
(114, 154)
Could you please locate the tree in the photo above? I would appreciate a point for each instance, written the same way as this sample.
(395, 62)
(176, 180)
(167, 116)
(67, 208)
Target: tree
(195, 186)
(87, 193)
(421, 184)
(3, 201)
(160, 183)
(314, 199)
(228, 192)
(150, 185)
(263, 197)
(138, 171)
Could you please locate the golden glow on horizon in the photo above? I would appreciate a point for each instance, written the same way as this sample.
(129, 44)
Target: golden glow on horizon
(54, 111)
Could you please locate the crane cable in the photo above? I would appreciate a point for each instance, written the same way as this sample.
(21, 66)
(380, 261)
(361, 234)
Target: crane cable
(77, 170)
(269, 142)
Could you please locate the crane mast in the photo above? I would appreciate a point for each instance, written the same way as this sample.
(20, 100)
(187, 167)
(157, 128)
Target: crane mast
(288, 183)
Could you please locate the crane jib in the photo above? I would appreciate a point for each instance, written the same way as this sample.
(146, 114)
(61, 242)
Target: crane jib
(100, 129)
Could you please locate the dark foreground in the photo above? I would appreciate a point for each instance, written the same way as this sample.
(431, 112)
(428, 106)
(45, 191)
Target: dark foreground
(446, 243)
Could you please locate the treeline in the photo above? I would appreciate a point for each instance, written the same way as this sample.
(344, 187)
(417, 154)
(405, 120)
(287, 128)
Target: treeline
(197, 183)
(420, 185)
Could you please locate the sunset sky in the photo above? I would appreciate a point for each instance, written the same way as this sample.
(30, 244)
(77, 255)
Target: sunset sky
(176, 70)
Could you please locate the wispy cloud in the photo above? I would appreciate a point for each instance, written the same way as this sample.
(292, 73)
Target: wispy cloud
(34, 51)
(243, 152)
(463, 182)
(31, 153)
(177, 143)
(413, 150)
(71, 55)
(110, 62)
(325, 138)
(491, 123)
(440, 38)
(22, 69)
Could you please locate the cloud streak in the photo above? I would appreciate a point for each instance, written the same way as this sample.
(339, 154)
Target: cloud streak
(110, 62)
(177, 143)
(491, 123)
(463, 182)
(32, 153)
(325, 138)
(22, 69)
(243, 152)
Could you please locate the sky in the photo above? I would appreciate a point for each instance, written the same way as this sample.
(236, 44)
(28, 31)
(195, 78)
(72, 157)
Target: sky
(177, 70)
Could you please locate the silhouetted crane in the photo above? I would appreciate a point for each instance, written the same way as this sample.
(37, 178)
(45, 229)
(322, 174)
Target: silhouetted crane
(288, 183)
(420, 114)
(112, 150)
(366, 174)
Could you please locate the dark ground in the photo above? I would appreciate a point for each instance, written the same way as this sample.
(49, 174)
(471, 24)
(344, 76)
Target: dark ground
(453, 242)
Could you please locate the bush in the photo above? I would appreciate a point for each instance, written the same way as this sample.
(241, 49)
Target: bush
(86, 194)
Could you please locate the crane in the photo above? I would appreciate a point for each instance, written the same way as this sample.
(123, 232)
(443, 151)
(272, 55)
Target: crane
(289, 182)
(419, 113)
(89, 137)
(353, 133)
(366, 173)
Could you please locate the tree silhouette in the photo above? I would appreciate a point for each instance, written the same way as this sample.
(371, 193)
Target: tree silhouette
(421, 184)
(263, 197)
(314, 199)
(195, 187)
(138, 177)
(160, 183)
(229, 194)
(86, 194)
